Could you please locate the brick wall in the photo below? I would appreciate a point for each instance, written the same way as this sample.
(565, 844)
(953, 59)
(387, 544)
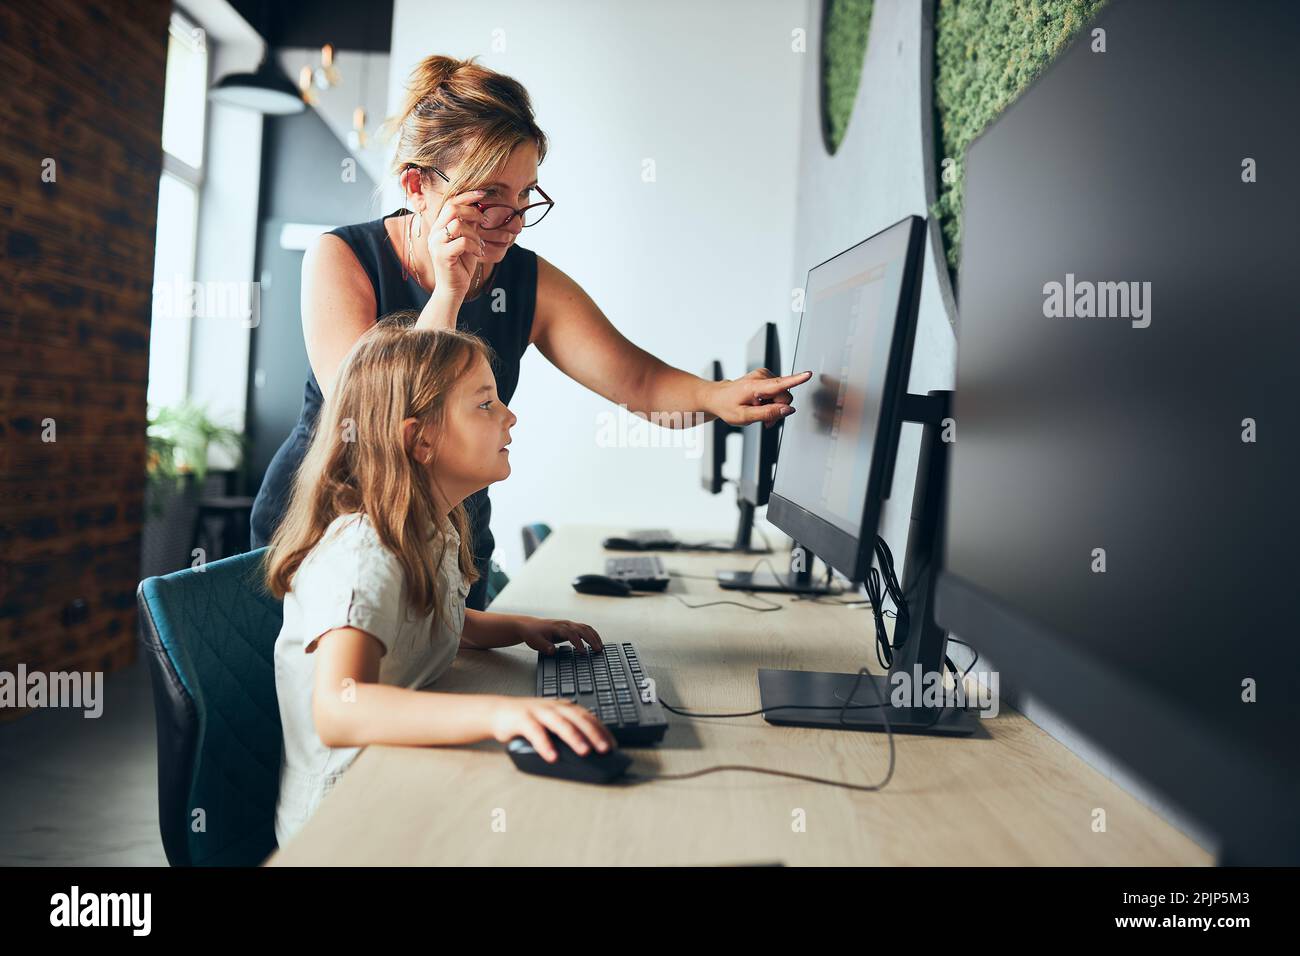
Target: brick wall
(82, 87)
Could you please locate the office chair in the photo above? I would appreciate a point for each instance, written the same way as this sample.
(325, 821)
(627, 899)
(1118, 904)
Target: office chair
(534, 535)
(210, 636)
(497, 581)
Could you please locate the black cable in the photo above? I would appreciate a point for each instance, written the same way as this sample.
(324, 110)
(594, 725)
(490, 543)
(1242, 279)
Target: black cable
(635, 779)
(748, 607)
(974, 660)
(711, 546)
(860, 603)
(884, 646)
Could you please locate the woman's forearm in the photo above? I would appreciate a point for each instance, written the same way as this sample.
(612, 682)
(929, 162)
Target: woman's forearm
(439, 312)
(383, 714)
(671, 397)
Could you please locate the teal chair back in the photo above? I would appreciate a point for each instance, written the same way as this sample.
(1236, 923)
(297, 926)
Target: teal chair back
(497, 581)
(209, 636)
(534, 535)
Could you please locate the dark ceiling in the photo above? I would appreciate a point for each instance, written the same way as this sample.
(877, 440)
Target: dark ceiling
(348, 24)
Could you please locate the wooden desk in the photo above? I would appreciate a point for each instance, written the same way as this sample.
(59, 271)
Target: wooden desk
(1013, 797)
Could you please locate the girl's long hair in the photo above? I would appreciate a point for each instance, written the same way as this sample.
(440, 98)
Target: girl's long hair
(357, 460)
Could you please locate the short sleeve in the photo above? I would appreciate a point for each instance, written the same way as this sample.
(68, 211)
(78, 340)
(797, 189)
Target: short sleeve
(351, 581)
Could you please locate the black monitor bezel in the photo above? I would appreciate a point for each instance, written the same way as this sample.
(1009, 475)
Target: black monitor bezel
(850, 554)
(763, 351)
(711, 479)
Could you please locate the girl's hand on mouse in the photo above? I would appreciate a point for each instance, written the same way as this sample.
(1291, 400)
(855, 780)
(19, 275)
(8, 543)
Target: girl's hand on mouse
(542, 634)
(532, 718)
(455, 260)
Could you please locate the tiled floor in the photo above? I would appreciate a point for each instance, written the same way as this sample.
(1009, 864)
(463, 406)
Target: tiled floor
(83, 792)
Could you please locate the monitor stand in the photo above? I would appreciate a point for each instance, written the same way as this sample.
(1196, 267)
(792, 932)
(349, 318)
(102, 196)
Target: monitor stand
(824, 695)
(820, 696)
(768, 579)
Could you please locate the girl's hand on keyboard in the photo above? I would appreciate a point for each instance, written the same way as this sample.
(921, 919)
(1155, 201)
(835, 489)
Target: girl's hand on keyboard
(542, 634)
(533, 717)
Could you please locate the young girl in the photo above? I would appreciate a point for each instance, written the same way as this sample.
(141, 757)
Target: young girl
(373, 563)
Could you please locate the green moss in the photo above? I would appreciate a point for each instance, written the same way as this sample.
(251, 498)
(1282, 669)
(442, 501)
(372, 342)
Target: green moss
(845, 26)
(986, 52)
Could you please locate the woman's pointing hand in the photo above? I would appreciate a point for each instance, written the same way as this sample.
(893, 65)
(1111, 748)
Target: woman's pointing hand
(759, 396)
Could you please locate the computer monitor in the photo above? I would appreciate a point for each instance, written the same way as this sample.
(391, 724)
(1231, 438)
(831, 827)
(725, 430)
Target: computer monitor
(758, 445)
(758, 442)
(715, 440)
(1123, 516)
(835, 467)
(836, 452)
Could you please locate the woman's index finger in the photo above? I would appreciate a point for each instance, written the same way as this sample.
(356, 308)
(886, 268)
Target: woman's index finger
(768, 386)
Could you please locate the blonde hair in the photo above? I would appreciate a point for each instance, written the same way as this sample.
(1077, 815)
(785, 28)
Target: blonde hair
(357, 460)
(460, 114)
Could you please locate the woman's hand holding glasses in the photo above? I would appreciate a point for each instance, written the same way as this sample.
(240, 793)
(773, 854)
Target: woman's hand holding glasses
(455, 245)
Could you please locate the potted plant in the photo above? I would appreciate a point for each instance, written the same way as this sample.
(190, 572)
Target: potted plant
(179, 438)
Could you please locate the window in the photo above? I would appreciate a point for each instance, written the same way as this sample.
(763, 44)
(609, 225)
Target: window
(184, 118)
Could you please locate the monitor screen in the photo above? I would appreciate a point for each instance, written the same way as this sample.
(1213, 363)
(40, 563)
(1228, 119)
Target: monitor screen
(855, 333)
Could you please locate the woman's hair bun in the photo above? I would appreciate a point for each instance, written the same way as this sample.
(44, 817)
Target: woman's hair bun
(461, 113)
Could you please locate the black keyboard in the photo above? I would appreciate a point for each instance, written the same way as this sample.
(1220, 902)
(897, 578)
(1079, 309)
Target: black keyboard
(609, 683)
(642, 573)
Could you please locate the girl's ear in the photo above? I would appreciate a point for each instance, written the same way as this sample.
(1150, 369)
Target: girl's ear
(412, 440)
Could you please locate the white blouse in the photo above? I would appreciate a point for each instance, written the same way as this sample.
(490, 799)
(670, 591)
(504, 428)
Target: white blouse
(349, 579)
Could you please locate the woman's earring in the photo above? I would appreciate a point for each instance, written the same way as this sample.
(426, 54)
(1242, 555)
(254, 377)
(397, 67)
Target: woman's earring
(416, 214)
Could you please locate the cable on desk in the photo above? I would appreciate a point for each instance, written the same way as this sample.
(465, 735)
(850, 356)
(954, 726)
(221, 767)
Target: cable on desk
(748, 607)
(861, 603)
(711, 546)
(635, 779)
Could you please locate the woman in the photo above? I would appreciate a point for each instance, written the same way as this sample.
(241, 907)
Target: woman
(466, 158)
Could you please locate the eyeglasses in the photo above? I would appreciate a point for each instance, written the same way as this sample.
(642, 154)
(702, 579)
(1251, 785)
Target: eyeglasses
(496, 215)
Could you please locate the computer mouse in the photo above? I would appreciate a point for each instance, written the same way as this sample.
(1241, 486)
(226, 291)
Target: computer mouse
(593, 767)
(601, 584)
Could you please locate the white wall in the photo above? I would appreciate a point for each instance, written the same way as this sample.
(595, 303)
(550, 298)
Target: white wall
(691, 265)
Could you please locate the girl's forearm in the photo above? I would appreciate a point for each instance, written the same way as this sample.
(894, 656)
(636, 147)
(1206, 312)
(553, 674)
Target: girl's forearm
(439, 312)
(384, 714)
(485, 629)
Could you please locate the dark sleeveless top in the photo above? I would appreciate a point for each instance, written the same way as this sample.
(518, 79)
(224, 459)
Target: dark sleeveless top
(506, 331)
